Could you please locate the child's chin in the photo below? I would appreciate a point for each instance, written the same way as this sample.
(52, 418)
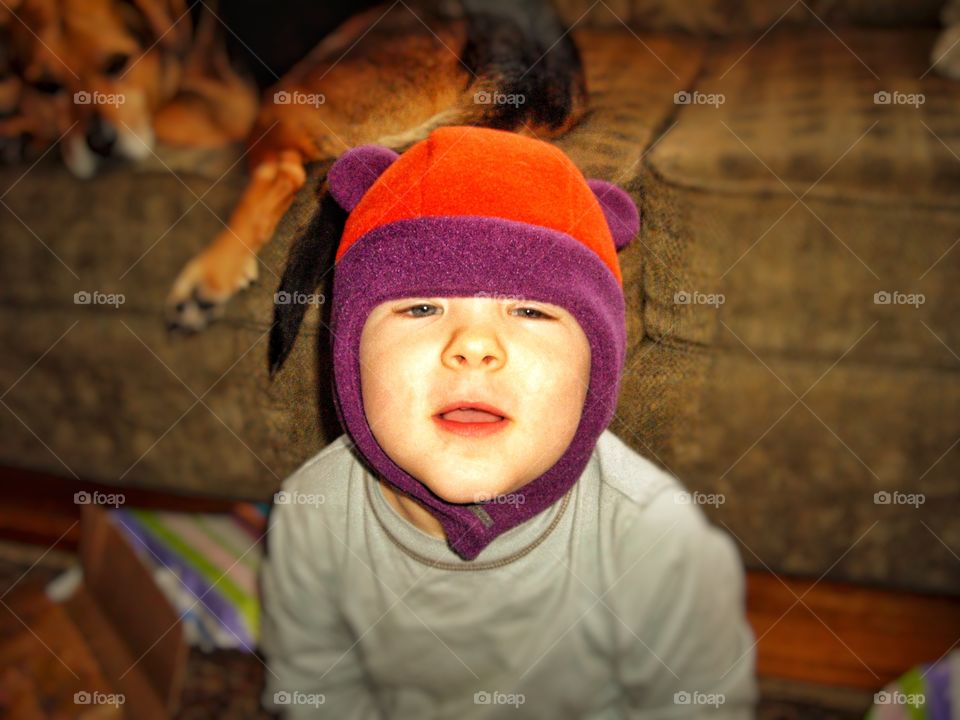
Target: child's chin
(463, 493)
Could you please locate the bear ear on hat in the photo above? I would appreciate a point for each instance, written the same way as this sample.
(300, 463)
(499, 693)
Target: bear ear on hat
(355, 171)
(618, 207)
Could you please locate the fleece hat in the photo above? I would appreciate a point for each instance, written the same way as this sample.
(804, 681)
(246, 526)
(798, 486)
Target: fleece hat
(470, 211)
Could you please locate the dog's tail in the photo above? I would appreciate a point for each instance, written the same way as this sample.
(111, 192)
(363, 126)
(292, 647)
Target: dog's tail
(525, 75)
(310, 260)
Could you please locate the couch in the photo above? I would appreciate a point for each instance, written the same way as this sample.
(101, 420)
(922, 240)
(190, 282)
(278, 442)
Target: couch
(780, 194)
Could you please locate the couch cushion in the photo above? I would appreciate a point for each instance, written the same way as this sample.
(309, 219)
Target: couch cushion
(799, 107)
(810, 198)
(817, 396)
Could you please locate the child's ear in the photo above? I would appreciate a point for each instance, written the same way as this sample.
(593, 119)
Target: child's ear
(356, 170)
(618, 207)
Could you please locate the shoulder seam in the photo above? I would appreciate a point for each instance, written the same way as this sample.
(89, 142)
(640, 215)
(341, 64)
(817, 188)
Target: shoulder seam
(650, 489)
(330, 449)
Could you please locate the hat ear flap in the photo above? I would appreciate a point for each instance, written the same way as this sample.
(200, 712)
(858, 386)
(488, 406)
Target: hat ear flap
(355, 171)
(618, 207)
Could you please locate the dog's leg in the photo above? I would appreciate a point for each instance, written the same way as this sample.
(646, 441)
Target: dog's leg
(215, 104)
(229, 263)
(945, 55)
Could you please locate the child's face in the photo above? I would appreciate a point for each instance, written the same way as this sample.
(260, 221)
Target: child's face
(531, 360)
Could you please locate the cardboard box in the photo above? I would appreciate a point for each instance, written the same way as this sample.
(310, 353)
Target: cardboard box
(115, 649)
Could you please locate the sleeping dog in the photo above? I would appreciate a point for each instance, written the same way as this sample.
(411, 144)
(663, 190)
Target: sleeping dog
(109, 78)
(388, 76)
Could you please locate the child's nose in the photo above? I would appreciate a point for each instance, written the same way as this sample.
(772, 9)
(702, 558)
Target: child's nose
(474, 347)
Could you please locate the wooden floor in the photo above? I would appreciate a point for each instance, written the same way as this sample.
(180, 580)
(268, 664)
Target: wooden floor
(828, 633)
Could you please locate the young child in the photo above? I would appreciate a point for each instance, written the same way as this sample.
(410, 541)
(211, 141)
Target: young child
(479, 544)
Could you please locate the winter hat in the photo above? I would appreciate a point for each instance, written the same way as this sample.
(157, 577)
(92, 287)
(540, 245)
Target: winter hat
(466, 211)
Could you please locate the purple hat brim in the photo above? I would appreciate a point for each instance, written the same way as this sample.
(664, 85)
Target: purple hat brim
(463, 256)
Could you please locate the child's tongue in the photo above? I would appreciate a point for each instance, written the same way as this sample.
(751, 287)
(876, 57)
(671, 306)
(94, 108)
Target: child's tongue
(470, 415)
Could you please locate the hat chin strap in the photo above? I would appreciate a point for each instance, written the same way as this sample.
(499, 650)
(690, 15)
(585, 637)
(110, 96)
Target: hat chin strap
(470, 527)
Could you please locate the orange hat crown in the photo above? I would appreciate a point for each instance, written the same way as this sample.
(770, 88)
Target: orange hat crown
(460, 170)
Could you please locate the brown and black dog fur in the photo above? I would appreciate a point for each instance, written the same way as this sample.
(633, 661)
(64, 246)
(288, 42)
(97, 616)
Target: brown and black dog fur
(389, 76)
(159, 66)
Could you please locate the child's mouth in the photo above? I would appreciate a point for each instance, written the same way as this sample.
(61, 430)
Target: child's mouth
(471, 415)
(471, 422)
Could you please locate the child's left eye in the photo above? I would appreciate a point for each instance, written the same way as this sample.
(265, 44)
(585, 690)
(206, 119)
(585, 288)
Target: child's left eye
(537, 313)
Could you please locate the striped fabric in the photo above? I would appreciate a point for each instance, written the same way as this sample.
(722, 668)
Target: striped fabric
(927, 692)
(206, 564)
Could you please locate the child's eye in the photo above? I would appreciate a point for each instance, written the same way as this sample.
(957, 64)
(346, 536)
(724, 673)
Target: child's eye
(421, 306)
(536, 314)
(425, 310)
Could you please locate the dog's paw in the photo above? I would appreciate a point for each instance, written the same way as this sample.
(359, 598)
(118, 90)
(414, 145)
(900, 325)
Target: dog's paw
(945, 56)
(205, 285)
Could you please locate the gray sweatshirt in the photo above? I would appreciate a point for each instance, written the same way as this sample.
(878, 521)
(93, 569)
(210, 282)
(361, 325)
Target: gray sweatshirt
(618, 601)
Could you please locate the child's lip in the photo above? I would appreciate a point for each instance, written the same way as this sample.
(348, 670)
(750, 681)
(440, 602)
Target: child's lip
(471, 429)
(471, 405)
